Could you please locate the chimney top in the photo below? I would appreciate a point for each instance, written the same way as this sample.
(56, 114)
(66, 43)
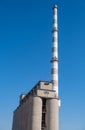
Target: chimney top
(55, 6)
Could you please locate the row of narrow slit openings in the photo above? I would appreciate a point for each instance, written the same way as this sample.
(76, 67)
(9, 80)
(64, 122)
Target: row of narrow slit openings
(43, 113)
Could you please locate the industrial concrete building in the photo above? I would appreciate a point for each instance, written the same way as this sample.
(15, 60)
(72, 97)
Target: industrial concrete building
(39, 109)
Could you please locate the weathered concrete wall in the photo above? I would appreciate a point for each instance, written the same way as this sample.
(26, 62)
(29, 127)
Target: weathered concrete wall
(36, 113)
(22, 116)
(52, 114)
(45, 86)
(28, 116)
(46, 94)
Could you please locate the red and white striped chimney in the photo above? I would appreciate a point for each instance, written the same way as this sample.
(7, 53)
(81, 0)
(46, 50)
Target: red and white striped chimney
(54, 59)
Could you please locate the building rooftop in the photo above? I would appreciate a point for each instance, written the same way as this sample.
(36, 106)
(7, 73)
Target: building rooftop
(42, 89)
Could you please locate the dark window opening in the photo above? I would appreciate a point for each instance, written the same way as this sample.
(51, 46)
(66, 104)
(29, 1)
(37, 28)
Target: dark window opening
(43, 113)
(44, 105)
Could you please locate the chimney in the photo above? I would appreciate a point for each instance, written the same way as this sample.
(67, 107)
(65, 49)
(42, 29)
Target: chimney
(54, 60)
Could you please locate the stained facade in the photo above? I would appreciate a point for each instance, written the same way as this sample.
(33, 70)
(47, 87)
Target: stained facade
(38, 110)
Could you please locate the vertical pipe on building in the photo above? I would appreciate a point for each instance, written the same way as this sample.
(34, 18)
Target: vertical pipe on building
(36, 113)
(54, 60)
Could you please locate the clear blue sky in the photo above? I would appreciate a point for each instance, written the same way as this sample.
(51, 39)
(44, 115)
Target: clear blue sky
(25, 53)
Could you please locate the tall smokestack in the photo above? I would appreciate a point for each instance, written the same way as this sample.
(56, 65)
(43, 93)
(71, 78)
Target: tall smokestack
(54, 59)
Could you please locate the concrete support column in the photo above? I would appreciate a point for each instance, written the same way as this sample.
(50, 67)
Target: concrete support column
(52, 114)
(36, 113)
